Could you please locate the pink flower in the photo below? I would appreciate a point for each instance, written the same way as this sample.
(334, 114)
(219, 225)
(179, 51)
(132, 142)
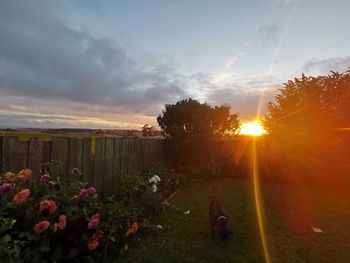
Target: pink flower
(62, 222)
(6, 187)
(74, 171)
(91, 190)
(41, 227)
(21, 196)
(48, 205)
(94, 222)
(45, 178)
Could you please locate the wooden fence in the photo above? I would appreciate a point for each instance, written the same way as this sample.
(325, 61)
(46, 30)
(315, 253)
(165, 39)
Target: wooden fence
(102, 159)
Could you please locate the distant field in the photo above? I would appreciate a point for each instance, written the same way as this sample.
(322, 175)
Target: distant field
(25, 136)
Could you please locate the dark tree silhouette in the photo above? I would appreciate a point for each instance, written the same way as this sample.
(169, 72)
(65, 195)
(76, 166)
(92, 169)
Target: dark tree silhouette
(308, 125)
(191, 119)
(193, 128)
(310, 105)
(149, 131)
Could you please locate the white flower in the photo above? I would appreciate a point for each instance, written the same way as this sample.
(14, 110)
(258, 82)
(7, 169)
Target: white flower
(159, 226)
(187, 212)
(152, 180)
(157, 178)
(154, 188)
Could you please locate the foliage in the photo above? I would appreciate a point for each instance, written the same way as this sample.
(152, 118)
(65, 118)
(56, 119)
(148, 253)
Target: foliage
(307, 104)
(308, 127)
(191, 119)
(193, 129)
(61, 219)
(149, 131)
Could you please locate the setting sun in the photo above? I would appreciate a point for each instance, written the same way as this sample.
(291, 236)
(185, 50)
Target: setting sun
(253, 128)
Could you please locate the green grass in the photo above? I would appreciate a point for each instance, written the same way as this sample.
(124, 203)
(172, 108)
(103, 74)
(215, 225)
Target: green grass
(290, 213)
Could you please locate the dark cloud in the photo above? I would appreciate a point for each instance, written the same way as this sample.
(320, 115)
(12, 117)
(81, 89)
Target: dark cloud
(324, 66)
(43, 54)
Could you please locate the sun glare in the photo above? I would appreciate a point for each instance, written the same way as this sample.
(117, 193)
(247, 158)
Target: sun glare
(253, 128)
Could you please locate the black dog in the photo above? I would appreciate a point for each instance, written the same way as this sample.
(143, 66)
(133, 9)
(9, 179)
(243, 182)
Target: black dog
(218, 220)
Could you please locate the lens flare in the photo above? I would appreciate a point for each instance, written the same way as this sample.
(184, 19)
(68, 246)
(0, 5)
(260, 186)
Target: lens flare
(258, 203)
(253, 128)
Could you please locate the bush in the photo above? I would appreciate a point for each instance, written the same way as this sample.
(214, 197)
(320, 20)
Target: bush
(61, 219)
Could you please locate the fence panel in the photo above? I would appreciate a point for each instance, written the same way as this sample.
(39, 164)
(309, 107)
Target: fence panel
(103, 160)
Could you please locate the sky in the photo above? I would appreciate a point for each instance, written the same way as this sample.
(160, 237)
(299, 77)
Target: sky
(115, 64)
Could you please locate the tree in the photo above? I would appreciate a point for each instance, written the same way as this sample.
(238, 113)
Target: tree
(308, 124)
(192, 129)
(191, 119)
(149, 131)
(311, 104)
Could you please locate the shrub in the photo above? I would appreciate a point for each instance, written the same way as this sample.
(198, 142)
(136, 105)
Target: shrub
(60, 218)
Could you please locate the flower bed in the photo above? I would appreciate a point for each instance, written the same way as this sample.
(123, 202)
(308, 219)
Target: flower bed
(60, 218)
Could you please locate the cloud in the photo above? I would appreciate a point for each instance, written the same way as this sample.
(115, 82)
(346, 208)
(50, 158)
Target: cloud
(45, 55)
(244, 94)
(324, 66)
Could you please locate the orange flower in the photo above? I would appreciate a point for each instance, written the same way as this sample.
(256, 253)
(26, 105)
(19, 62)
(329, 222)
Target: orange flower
(25, 174)
(96, 216)
(97, 235)
(133, 229)
(48, 205)
(41, 227)
(9, 177)
(21, 196)
(93, 244)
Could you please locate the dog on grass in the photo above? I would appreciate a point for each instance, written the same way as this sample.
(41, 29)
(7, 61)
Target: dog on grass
(218, 220)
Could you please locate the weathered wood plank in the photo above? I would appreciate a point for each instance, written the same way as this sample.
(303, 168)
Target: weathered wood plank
(75, 153)
(9, 154)
(22, 154)
(132, 156)
(88, 161)
(1, 163)
(35, 157)
(108, 166)
(99, 164)
(60, 147)
(117, 159)
(46, 152)
(124, 156)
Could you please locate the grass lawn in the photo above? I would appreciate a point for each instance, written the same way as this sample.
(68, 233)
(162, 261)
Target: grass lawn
(290, 213)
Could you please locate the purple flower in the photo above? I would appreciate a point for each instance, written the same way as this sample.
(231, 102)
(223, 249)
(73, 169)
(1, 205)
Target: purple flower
(45, 178)
(87, 192)
(6, 187)
(84, 193)
(93, 223)
(91, 190)
(74, 171)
